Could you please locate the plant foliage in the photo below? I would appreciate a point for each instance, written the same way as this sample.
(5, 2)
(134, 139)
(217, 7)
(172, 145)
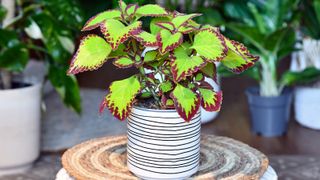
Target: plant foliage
(172, 46)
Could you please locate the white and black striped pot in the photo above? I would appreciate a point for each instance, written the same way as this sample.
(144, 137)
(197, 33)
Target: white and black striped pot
(161, 145)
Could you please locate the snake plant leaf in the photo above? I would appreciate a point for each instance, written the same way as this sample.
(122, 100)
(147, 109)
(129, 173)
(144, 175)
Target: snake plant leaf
(91, 54)
(238, 58)
(166, 25)
(186, 102)
(95, 21)
(146, 39)
(210, 44)
(121, 96)
(210, 70)
(123, 62)
(151, 10)
(168, 41)
(210, 100)
(181, 20)
(183, 65)
(116, 33)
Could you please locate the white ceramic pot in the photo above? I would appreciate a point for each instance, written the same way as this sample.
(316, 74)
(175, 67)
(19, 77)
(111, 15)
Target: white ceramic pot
(307, 106)
(161, 145)
(19, 128)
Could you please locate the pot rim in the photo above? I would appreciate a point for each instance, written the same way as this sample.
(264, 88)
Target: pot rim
(32, 85)
(251, 91)
(154, 110)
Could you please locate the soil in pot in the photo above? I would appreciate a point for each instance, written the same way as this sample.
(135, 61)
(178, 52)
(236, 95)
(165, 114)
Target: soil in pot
(161, 145)
(269, 115)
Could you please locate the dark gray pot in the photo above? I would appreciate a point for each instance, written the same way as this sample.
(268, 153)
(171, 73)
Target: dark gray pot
(269, 115)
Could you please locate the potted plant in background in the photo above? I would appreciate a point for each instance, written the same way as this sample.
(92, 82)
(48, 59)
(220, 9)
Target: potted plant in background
(306, 67)
(43, 30)
(267, 29)
(183, 54)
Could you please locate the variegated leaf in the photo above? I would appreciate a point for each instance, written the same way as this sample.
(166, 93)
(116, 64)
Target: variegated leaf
(95, 21)
(146, 39)
(150, 56)
(181, 20)
(210, 70)
(183, 65)
(151, 10)
(238, 58)
(91, 54)
(123, 62)
(210, 45)
(131, 10)
(166, 87)
(210, 100)
(168, 41)
(116, 33)
(121, 96)
(154, 28)
(166, 25)
(186, 102)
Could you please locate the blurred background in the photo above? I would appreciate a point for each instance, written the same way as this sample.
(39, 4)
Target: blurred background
(38, 38)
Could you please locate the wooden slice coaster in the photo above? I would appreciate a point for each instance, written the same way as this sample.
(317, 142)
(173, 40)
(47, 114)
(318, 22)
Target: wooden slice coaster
(221, 158)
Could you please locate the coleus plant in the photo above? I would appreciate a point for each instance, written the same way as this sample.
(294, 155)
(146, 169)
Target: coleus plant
(177, 52)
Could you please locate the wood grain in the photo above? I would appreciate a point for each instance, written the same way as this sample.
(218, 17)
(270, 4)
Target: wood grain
(221, 158)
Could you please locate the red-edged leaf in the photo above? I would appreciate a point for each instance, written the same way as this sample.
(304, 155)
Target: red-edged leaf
(183, 65)
(181, 20)
(186, 102)
(146, 39)
(166, 25)
(91, 54)
(210, 45)
(95, 21)
(116, 33)
(168, 41)
(123, 62)
(121, 96)
(166, 102)
(131, 10)
(151, 10)
(210, 70)
(238, 58)
(210, 100)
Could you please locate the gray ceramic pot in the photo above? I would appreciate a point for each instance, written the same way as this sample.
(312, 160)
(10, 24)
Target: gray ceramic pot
(269, 115)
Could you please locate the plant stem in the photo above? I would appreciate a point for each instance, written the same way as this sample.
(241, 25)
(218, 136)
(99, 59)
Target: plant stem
(6, 79)
(268, 84)
(154, 94)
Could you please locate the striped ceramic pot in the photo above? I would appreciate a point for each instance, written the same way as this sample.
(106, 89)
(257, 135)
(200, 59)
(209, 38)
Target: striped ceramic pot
(161, 145)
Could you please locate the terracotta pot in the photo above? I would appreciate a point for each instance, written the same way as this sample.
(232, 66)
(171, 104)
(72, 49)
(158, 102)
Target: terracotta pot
(19, 128)
(161, 145)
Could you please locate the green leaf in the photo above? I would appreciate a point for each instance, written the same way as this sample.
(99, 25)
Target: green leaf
(210, 70)
(14, 58)
(123, 62)
(154, 28)
(308, 75)
(131, 10)
(210, 100)
(180, 20)
(186, 102)
(182, 65)
(151, 10)
(210, 44)
(167, 41)
(146, 39)
(121, 95)
(91, 54)
(116, 33)
(95, 21)
(166, 25)
(3, 13)
(238, 58)
(166, 87)
(150, 56)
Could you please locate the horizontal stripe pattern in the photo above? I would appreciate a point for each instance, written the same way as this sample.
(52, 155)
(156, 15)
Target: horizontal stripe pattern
(162, 145)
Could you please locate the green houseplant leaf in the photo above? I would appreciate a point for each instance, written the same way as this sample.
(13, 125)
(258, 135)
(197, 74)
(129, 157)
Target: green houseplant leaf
(151, 10)
(183, 65)
(210, 100)
(116, 33)
(186, 101)
(147, 39)
(92, 53)
(123, 62)
(210, 44)
(168, 41)
(95, 21)
(210, 70)
(121, 96)
(238, 58)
